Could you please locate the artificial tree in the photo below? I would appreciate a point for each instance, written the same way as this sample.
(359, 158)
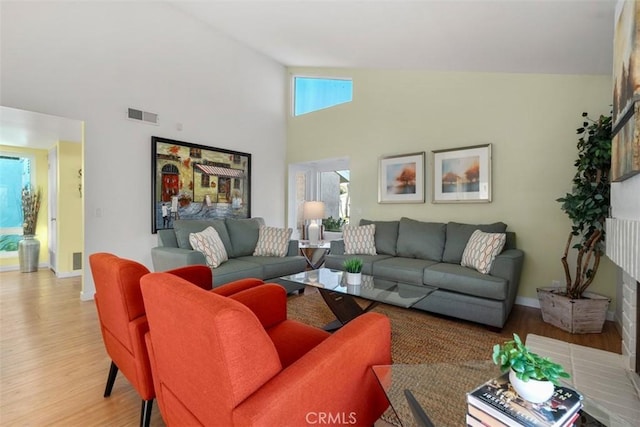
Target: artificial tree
(588, 203)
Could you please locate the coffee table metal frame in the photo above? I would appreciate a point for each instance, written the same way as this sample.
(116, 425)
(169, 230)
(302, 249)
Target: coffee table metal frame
(340, 297)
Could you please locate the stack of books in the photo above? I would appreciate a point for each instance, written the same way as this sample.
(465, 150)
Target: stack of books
(496, 403)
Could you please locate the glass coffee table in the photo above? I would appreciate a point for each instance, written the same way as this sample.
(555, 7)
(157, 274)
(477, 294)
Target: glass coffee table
(340, 297)
(441, 390)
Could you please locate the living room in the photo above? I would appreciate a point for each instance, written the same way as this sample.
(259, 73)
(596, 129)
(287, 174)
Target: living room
(91, 61)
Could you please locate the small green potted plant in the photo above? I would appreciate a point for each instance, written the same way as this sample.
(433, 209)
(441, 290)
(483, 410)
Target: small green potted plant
(353, 269)
(531, 375)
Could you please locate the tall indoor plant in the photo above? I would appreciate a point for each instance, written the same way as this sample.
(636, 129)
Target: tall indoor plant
(29, 246)
(587, 206)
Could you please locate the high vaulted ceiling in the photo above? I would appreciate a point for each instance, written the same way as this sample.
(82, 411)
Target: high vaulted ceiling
(522, 36)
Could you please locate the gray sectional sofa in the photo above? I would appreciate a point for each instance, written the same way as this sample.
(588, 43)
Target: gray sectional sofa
(429, 253)
(239, 237)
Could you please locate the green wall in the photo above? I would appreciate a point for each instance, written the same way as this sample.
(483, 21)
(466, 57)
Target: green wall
(530, 120)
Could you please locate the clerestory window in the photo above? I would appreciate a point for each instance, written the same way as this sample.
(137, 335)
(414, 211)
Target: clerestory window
(314, 93)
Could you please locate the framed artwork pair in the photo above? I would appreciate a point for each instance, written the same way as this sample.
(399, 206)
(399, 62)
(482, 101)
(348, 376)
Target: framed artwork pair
(459, 175)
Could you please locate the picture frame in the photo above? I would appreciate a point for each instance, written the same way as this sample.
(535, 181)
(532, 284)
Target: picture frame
(462, 175)
(191, 181)
(625, 148)
(401, 178)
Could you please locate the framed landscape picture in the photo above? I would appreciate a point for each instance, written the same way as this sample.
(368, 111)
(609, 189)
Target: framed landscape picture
(191, 181)
(401, 179)
(462, 175)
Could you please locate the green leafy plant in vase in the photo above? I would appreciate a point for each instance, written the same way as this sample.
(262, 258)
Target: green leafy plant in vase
(333, 224)
(531, 375)
(572, 308)
(353, 269)
(587, 205)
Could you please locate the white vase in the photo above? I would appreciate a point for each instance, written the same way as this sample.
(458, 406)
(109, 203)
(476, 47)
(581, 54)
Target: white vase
(534, 391)
(354, 278)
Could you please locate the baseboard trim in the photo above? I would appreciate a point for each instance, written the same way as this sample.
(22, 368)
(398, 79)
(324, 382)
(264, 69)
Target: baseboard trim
(85, 296)
(535, 303)
(17, 267)
(68, 274)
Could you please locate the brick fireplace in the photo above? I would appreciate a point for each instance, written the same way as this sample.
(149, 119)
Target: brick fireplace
(623, 248)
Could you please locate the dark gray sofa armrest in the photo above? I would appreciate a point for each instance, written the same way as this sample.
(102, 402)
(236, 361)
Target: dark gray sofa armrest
(337, 247)
(293, 249)
(508, 265)
(164, 258)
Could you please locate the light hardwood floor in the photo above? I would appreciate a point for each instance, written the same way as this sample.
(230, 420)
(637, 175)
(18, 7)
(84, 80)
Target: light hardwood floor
(53, 366)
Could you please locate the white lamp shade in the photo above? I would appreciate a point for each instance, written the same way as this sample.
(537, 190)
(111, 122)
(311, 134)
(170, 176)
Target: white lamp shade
(313, 210)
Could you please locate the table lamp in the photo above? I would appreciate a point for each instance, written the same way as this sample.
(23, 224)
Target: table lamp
(313, 211)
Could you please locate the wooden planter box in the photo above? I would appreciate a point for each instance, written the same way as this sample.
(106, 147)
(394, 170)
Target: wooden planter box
(578, 316)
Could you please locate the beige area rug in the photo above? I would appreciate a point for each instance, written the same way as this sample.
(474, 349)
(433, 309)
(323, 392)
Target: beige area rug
(417, 337)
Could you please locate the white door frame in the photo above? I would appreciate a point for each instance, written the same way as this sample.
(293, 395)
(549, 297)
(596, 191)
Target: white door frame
(52, 229)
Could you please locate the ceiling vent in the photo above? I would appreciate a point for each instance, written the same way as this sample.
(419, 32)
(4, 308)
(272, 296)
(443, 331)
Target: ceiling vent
(143, 116)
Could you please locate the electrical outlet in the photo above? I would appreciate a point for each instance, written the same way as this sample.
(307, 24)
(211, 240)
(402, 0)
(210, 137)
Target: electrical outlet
(555, 283)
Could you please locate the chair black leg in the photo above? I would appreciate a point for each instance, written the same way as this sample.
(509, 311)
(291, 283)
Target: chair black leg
(113, 371)
(145, 414)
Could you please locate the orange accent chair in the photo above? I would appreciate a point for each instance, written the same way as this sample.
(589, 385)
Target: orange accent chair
(238, 360)
(123, 321)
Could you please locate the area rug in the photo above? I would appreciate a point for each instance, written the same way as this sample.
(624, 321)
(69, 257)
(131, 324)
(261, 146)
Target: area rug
(417, 337)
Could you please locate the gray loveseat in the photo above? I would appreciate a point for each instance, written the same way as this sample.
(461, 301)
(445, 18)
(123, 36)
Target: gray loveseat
(429, 253)
(239, 237)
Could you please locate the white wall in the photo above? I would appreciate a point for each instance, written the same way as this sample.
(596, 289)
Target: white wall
(625, 199)
(529, 119)
(91, 61)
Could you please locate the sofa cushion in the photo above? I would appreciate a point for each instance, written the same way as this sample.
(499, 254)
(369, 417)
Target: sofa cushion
(386, 235)
(406, 270)
(184, 227)
(335, 262)
(424, 240)
(359, 240)
(244, 235)
(272, 241)
(482, 249)
(458, 235)
(455, 278)
(209, 243)
(273, 267)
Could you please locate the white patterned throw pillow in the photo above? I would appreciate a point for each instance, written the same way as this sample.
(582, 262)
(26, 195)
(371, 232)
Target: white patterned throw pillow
(482, 248)
(359, 240)
(272, 241)
(209, 243)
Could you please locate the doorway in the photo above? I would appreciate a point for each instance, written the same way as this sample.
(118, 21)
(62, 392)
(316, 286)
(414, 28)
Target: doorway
(40, 135)
(322, 180)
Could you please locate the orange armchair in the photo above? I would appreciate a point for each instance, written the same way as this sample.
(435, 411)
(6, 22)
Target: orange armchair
(239, 361)
(123, 321)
